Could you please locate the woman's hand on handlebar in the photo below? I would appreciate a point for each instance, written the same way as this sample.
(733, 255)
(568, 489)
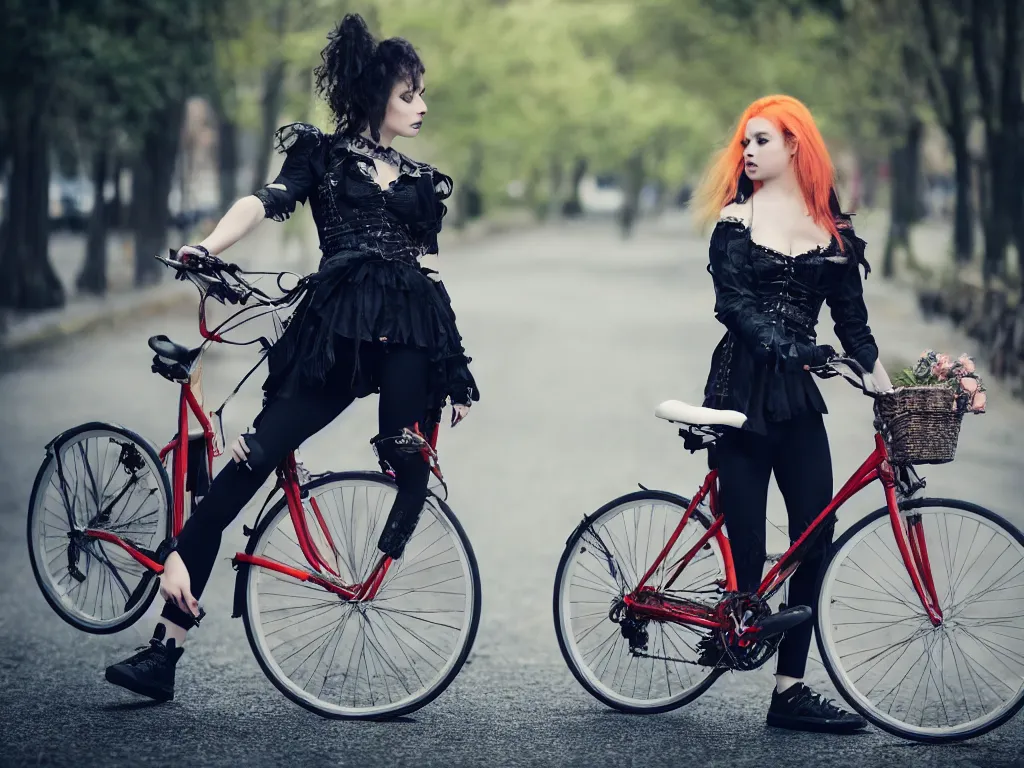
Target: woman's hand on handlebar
(198, 255)
(186, 253)
(459, 412)
(872, 383)
(823, 354)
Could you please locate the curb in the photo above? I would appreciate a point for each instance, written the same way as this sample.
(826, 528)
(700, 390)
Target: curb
(37, 330)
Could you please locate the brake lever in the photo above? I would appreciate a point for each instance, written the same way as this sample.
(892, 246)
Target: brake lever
(825, 371)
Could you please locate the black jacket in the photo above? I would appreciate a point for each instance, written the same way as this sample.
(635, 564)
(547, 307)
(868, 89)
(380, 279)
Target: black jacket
(769, 303)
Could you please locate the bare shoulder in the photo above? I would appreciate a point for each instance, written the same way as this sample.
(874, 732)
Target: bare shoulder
(736, 212)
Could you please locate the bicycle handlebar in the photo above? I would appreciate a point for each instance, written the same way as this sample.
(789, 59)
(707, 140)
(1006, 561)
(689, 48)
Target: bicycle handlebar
(829, 371)
(227, 284)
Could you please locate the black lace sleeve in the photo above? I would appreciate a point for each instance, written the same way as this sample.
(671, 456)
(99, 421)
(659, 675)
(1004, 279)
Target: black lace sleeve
(299, 174)
(433, 188)
(846, 303)
(737, 306)
(460, 386)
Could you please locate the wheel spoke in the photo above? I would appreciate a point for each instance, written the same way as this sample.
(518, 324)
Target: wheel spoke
(605, 561)
(83, 477)
(915, 678)
(377, 656)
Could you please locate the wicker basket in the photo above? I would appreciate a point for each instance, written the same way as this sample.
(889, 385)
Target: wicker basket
(921, 425)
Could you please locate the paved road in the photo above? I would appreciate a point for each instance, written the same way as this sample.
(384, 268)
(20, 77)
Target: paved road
(577, 336)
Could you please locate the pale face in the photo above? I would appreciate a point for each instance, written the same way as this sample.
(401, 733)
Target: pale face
(766, 152)
(406, 108)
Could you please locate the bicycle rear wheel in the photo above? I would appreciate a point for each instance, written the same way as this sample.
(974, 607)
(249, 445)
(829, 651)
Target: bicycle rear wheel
(910, 678)
(371, 659)
(100, 477)
(604, 559)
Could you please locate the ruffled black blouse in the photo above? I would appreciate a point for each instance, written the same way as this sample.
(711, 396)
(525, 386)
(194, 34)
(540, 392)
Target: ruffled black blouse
(769, 302)
(370, 284)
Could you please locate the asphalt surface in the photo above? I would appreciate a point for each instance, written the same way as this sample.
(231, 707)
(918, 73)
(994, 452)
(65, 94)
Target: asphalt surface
(576, 336)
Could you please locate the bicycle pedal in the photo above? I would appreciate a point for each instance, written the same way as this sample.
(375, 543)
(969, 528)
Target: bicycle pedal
(782, 621)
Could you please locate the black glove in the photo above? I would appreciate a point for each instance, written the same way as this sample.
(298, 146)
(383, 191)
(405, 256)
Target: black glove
(821, 355)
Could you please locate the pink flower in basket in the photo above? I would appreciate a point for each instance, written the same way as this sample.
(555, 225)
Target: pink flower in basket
(942, 367)
(969, 384)
(978, 402)
(966, 363)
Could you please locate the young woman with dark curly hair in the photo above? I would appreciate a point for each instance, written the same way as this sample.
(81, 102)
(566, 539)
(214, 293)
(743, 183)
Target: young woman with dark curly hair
(374, 317)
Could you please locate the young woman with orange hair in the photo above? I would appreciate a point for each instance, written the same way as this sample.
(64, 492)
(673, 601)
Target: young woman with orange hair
(781, 247)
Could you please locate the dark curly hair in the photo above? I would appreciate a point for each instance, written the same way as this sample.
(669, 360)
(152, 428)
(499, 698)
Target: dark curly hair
(358, 74)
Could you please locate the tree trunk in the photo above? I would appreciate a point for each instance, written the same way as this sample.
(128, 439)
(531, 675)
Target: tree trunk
(116, 214)
(557, 185)
(93, 277)
(898, 237)
(270, 106)
(1018, 228)
(993, 219)
(151, 186)
(903, 197)
(634, 183)
(227, 159)
(572, 206)
(868, 183)
(534, 195)
(27, 279)
(998, 74)
(5, 141)
(915, 201)
(963, 218)
(471, 205)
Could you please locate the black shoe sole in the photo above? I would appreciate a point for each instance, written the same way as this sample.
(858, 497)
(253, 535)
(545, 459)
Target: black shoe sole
(814, 726)
(127, 682)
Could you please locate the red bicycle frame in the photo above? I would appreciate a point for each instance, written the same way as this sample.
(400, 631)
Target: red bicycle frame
(320, 572)
(650, 601)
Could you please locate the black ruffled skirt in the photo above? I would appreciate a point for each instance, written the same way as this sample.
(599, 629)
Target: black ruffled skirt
(738, 382)
(366, 298)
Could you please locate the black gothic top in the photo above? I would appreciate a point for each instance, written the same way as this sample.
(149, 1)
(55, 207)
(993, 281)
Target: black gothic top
(770, 302)
(370, 284)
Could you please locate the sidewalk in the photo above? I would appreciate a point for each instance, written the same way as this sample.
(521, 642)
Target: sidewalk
(292, 246)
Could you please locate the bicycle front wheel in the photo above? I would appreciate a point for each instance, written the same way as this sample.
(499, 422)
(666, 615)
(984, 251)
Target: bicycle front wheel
(370, 659)
(915, 680)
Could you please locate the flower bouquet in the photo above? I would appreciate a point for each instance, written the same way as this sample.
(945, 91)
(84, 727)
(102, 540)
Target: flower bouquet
(920, 419)
(960, 376)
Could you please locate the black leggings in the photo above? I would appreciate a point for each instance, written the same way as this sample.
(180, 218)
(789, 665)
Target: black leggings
(402, 373)
(798, 453)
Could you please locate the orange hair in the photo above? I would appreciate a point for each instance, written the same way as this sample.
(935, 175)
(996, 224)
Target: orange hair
(811, 163)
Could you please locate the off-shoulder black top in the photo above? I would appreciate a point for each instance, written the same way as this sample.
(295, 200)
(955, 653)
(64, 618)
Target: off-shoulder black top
(769, 303)
(370, 284)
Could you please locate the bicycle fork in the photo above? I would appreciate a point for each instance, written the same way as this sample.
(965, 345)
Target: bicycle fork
(913, 546)
(320, 571)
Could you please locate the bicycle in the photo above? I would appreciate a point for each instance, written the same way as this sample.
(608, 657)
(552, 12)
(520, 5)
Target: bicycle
(648, 615)
(311, 586)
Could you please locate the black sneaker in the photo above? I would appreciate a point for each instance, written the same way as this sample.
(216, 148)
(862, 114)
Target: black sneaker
(151, 671)
(801, 709)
